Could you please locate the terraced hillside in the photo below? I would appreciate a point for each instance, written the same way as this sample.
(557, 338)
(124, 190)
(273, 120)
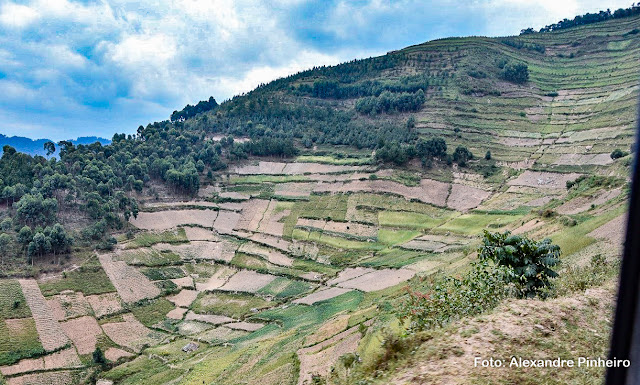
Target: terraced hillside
(279, 267)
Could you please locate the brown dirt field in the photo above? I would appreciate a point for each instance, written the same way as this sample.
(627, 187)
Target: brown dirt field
(131, 285)
(209, 318)
(539, 201)
(189, 328)
(272, 256)
(463, 198)
(275, 242)
(23, 366)
(217, 280)
(580, 204)
(429, 191)
(425, 245)
(235, 195)
(328, 330)
(229, 206)
(114, 354)
(593, 134)
(183, 282)
(62, 359)
(172, 204)
(176, 313)
(317, 168)
(84, 332)
(319, 359)
(200, 234)
(583, 159)
(529, 226)
(104, 304)
(246, 326)
(613, 230)
(252, 212)
(294, 189)
(131, 333)
(49, 331)
(199, 250)
(165, 220)
(378, 280)
(68, 305)
(349, 273)
(539, 179)
(48, 378)
(184, 298)
(247, 281)
(269, 168)
(321, 295)
(516, 320)
(226, 221)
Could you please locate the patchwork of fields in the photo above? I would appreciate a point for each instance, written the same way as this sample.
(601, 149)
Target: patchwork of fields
(278, 268)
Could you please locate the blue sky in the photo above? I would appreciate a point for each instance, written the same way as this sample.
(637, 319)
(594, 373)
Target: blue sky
(82, 68)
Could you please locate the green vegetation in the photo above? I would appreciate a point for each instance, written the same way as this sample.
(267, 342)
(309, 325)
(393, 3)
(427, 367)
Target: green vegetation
(86, 279)
(12, 301)
(281, 288)
(230, 305)
(147, 239)
(18, 340)
(530, 261)
(153, 311)
(157, 274)
(150, 257)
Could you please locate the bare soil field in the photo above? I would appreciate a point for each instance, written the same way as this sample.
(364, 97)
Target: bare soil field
(429, 191)
(319, 359)
(114, 354)
(246, 326)
(247, 281)
(273, 256)
(183, 282)
(200, 234)
(131, 333)
(226, 221)
(294, 189)
(209, 318)
(350, 273)
(172, 204)
(529, 226)
(217, 280)
(51, 335)
(131, 285)
(221, 335)
(176, 313)
(202, 250)
(104, 304)
(62, 359)
(267, 168)
(550, 180)
(426, 245)
(189, 328)
(68, 304)
(235, 196)
(184, 298)
(84, 332)
(321, 295)
(252, 213)
(613, 230)
(378, 280)
(275, 242)
(165, 220)
(23, 366)
(63, 377)
(520, 142)
(463, 197)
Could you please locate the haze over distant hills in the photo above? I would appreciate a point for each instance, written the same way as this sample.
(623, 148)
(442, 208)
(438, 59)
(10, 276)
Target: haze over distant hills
(36, 146)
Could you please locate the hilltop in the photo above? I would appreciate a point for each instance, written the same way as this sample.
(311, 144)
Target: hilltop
(267, 238)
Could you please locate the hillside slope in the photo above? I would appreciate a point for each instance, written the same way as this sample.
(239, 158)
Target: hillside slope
(266, 258)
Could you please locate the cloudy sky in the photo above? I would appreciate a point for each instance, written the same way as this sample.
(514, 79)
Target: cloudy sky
(94, 67)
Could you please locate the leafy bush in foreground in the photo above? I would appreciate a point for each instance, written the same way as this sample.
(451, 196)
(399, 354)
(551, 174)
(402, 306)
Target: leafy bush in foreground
(530, 260)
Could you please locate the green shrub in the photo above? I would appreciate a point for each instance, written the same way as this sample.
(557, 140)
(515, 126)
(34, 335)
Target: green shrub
(530, 260)
(618, 153)
(516, 72)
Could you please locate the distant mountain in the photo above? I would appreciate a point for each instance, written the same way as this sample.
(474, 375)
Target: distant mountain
(36, 147)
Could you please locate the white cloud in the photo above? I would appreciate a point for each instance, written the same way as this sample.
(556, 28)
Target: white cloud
(16, 15)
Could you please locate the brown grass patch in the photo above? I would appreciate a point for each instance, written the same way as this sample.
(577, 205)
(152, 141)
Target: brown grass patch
(547, 180)
(131, 333)
(132, 286)
(209, 318)
(247, 281)
(105, 304)
(378, 280)
(321, 295)
(49, 378)
(328, 330)
(246, 326)
(49, 331)
(429, 191)
(201, 250)
(84, 332)
(272, 256)
(613, 230)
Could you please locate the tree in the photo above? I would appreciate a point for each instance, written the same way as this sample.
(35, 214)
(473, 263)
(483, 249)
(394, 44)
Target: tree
(618, 153)
(25, 236)
(462, 155)
(49, 147)
(5, 241)
(516, 73)
(531, 261)
(40, 245)
(487, 156)
(98, 357)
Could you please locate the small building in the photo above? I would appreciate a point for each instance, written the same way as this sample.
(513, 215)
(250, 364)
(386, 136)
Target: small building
(190, 347)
